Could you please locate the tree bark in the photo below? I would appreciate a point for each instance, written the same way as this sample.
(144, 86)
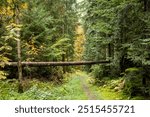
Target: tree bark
(20, 87)
(145, 5)
(63, 59)
(34, 64)
(20, 79)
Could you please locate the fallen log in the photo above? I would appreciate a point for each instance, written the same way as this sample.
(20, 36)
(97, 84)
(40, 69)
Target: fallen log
(32, 64)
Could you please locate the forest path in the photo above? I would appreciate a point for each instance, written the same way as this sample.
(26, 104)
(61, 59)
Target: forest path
(87, 88)
(76, 86)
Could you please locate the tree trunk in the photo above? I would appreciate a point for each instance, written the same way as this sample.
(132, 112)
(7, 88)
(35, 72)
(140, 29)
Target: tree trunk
(116, 60)
(63, 59)
(145, 5)
(20, 87)
(16, 14)
(34, 64)
(106, 51)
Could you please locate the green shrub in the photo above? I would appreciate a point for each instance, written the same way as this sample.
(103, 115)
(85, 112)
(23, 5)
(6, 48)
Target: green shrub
(115, 71)
(100, 71)
(97, 71)
(133, 81)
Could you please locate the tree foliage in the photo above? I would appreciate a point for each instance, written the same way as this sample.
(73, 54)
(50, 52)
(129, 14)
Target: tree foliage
(118, 30)
(46, 32)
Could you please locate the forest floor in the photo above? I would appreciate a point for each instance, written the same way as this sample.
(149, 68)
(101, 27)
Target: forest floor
(84, 88)
(84, 81)
(76, 86)
(96, 92)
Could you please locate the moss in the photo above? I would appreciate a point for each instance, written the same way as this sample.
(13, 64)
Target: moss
(133, 69)
(109, 94)
(106, 91)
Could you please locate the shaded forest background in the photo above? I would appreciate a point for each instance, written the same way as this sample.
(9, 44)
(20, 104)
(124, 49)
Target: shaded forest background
(115, 30)
(46, 31)
(118, 30)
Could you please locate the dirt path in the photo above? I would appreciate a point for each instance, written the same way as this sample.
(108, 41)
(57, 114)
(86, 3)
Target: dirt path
(84, 82)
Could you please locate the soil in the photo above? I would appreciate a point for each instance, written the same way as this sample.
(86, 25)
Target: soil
(86, 88)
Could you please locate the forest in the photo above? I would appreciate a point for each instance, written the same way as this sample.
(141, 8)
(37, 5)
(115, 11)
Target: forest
(74, 49)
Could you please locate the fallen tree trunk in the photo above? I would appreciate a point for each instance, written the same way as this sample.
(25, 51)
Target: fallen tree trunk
(34, 64)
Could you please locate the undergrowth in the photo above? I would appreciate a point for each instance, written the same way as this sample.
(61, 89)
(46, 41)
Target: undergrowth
(37, 90)
(106, 88)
